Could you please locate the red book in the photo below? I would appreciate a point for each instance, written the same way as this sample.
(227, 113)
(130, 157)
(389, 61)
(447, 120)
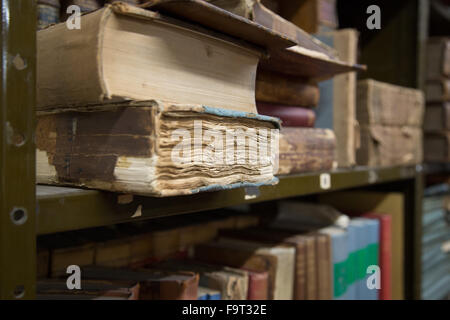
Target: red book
(258, 285)
(289, 115)
(385, 253)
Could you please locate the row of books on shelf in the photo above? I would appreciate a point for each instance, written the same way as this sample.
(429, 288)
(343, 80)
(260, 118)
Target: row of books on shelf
(436, 242)
(302, 251)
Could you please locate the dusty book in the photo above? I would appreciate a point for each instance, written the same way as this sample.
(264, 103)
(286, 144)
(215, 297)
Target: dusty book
(306, 150)
(385, 104)
(151, 148)
(290, 116)
(389, 146)
(283, 89)
(437, 146)
(129, 53)
(438, 57)
(438, 90)
(437, 117)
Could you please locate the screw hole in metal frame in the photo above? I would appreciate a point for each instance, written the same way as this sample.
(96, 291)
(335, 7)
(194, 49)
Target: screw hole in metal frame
(18, 215)
(19, 292)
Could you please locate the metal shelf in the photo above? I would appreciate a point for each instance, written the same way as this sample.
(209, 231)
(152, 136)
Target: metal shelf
(63, 209)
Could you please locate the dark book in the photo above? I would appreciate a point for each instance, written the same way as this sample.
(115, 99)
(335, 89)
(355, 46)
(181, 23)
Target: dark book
(290, 116)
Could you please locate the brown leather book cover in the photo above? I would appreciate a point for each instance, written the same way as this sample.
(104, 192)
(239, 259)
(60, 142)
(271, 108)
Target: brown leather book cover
(306, 150)
(91, 289)
(230, 282)
(278, 88)
(438, 90)
(437, 117)
(324, 265)
(239, 257)
(305, 260)
(154, 284)
(438, 57)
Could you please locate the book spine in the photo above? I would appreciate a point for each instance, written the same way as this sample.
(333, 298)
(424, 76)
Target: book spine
(289, 115)
(300, 271)
(305, 150)
(258, 286)
(287, 90)
(311, 270)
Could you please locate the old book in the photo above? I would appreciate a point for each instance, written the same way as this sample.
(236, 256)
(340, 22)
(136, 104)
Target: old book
(257, 11)
(290, 116)
(437, 117)
(324, 262)
(337, 106)
(47, 12)
(231, 283)
(306, 150)
(153, 284)
(339, 249)
(305, 264)
(389, 146)
(152, 148)
(187, 65)
(438, 90)
(258, 285)
(437, 146)
(386, 104)
(283, 89)
(385, 253)
(244, 258)
(305, 56)
(438, 58)
(56, 289)
(284, 276)
(312, 16)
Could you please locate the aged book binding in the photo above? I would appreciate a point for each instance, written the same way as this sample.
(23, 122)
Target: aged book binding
(283, 89)
(130, 53)
(437, 146)
(153, 284)
(438, 58)
(386, 104)
(437, 117)
(290, 116)
(438, 90)
(389, 145)
(306, 149)
(56, 289)
(147, 148)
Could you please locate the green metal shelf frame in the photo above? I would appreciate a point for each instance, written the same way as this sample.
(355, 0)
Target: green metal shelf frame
(55, 209)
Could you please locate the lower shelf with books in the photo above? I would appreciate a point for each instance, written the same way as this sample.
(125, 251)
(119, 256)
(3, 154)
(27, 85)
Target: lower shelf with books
(64, 209)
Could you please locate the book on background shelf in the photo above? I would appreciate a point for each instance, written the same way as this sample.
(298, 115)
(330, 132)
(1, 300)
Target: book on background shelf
(247, 258)
(437, 117)
(438, 90)
(277, 88)
(47, 12)
(56, 289)
(153, 284)
(437, 146)
(290, 116)
(231, 283)
(258, 285)
(306, 150)
(385, 253)
(438, 57)
(337, 105)
(390, 119)
(205, 293)
(312, 16)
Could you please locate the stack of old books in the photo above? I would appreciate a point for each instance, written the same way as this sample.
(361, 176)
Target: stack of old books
(390, 119)
(164, 107)
(437, 112)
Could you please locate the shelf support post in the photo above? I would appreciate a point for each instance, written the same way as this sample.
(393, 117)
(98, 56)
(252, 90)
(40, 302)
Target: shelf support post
(17, 150)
